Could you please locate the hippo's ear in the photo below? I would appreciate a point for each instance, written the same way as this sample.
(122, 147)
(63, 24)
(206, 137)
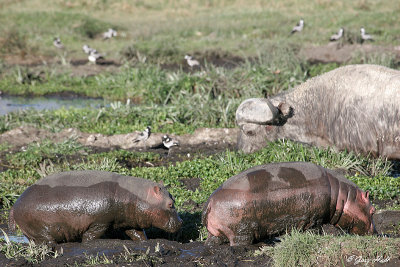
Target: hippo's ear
(365, 196)
(285, 109)
(157, 189)
(161, 182)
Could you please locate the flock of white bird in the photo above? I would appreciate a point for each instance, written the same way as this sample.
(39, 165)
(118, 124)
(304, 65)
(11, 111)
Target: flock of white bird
(94, 55)
(337, 36)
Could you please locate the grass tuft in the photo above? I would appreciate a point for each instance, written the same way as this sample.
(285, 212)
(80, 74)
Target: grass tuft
(310, 249)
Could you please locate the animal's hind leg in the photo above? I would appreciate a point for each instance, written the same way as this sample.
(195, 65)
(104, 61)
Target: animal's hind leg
(213, 240)
(44, 237)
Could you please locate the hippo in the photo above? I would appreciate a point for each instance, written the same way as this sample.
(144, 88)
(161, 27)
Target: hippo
(354, 108)
(267, 200)
(86, 205)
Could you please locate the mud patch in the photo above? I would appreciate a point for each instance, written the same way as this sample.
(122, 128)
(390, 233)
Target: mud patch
(162, 250)
(203, 138)
(191, 183)
(155, 252)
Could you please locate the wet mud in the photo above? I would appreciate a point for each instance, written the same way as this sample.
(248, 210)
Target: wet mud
(159, 251)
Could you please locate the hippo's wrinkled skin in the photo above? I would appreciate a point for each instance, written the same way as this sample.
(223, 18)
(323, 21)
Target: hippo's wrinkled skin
(356, 107)
(267, 200)
(86, 205)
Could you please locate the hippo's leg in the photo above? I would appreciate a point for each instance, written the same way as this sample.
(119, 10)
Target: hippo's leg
(241, 240)
(45, 239)
(95, 231)
(244, 233)
(136, 234)
(213, 240)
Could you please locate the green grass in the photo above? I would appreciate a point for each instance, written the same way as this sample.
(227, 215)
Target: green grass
(45, 158)
(33, 253)
(309, 249)
(165, 32)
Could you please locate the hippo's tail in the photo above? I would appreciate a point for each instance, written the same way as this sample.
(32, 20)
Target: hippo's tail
(206, 210)
(11, 221)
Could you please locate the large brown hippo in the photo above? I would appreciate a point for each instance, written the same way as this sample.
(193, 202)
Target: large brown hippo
(356, 107)
(267, 200)
(86, 205)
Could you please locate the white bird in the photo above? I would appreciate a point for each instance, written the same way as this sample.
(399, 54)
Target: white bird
(298, 27)
(143, 136)
(365, 36)
(57, 43)
(109, 34)
(337, 36)
(191, 62)
(94, 56)
(168, 142)
(87, 49)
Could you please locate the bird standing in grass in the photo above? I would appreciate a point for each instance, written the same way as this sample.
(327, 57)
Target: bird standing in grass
(109, 34)
(191, 62)
(94, 56)
(57, 43)
(365, 36)
(337, 36)
(143, 136)
(299, 27)
(87, 49)
(168, 142)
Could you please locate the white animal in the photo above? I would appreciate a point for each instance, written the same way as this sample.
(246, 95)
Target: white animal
(168, 142)
(57, 43)
(109, 34)
(365, 36)
(87, 49)
(94, 56)
(337, 36)
(191, 62)
(143, 136)
(299, 27)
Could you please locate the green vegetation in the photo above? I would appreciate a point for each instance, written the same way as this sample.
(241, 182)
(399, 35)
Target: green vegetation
(32, 252)
(24, 168)
(310, 249)
(97, 260)
(164, 31)
(126, 256)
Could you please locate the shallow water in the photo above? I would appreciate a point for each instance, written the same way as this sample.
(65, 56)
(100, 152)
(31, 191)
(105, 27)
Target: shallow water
(15, 103)
(194, 252)
(15, 238)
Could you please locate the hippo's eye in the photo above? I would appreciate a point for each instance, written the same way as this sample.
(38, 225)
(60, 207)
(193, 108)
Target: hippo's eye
(250, 133)
(171, 205)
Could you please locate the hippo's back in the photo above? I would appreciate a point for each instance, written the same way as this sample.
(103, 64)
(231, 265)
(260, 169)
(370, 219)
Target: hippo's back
(78, 178)
(276, 176)
(84, 179)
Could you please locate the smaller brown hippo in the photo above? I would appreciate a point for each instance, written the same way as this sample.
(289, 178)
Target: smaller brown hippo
(270, 199)
(85, 205)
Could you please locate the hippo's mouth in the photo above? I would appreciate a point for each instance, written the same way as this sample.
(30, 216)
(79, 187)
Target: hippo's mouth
(173, 224)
